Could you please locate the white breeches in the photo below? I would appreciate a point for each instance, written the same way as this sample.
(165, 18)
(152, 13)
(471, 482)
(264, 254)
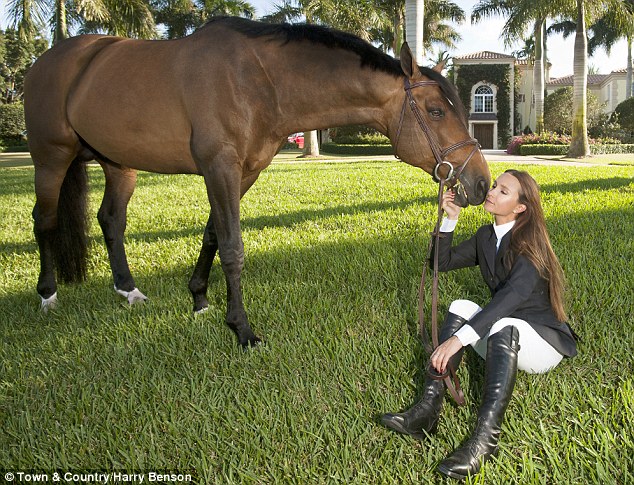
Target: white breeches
(535, 355)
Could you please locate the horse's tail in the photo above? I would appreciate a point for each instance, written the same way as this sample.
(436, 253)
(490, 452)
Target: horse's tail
(70, 247)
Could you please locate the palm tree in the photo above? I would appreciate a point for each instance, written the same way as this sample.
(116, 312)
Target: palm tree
(181, 17)
(357, 18)
(616, 24)
(131, 17)
(519, 14)
(579, 145)
(611, 14)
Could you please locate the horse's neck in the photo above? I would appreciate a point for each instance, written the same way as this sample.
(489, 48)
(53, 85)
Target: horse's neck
(337, 95)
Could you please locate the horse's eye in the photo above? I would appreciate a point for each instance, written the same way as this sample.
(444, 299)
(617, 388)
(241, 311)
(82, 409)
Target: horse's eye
(436, 113)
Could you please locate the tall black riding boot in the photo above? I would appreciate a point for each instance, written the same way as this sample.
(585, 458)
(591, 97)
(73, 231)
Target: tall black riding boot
(423, 416)
(499, 380)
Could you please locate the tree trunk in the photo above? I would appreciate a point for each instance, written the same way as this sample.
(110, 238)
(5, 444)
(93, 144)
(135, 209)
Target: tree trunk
(414, 22)
(61, 29)
(398, 32)
(579, 146)
(538, 76)
(628, 75)
(311, 144)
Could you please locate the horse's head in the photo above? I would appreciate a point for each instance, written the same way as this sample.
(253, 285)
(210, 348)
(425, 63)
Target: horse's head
(430, 131)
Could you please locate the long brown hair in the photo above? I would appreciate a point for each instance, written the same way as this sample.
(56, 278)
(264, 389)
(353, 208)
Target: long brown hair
(529, 237)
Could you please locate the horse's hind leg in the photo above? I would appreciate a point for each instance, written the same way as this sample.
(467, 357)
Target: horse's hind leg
(120, 184)
(59, 218)
(48, 184)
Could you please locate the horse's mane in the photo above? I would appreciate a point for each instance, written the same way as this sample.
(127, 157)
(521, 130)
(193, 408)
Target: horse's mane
(369, 55)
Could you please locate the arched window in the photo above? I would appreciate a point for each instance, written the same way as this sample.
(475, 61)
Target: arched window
(483, 100)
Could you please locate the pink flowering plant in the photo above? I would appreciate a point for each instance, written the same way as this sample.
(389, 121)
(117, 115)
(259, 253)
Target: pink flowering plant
(550, 138)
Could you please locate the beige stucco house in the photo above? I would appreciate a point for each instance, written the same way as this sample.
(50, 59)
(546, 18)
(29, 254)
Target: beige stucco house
(608, 88)
(496, 110)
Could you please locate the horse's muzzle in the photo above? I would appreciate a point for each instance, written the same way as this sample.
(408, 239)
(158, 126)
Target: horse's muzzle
(475, 196)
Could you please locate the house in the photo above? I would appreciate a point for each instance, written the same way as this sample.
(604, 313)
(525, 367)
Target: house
(497, 91)
(608, 88)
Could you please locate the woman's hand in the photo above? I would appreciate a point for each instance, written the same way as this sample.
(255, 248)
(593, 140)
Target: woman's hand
(440, 357)
(452, 210)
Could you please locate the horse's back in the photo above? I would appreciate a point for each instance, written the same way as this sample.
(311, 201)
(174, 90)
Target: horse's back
(159, 106)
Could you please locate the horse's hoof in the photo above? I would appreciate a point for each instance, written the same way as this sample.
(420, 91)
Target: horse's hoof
(202, 310)
(49, 303)
(134, 296)
(252, 343)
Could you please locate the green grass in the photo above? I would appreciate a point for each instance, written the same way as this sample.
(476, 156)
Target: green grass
(333, 257)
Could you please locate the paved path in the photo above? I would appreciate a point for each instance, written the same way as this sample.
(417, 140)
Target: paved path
(24, 159)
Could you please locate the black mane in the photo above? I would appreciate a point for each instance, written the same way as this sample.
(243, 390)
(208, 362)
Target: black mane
(369, 55)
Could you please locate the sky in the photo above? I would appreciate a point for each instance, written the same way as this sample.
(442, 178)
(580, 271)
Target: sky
(484, 36)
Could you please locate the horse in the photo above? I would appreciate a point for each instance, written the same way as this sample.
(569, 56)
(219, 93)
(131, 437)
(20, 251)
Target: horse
(218, 103)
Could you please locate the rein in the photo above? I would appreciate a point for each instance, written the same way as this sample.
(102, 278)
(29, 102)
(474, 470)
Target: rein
(449, 180)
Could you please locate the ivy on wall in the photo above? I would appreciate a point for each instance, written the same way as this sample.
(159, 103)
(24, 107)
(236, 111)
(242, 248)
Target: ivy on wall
(497, 74)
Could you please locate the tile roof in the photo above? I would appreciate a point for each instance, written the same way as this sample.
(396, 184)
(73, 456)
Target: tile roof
(569, 80)
(484, 55)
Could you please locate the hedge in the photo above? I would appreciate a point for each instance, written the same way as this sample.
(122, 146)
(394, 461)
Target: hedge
(367, 150)
(11, 123)
(563, 149)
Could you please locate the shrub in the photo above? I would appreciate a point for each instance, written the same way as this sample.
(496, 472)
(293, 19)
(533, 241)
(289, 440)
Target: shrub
(595, 149)
(621, 123)
(546, 138)
(558, 112)
(357, 134)
(625, 114)
(367, 150)
(12, 123)
(530, 145)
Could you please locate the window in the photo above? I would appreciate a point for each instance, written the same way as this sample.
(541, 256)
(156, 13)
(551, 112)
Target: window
(483, 100)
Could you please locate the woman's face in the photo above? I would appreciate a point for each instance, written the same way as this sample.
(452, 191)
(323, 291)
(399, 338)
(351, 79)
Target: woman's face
(503, 199)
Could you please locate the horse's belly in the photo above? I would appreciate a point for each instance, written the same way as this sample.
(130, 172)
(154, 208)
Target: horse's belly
(137, 138)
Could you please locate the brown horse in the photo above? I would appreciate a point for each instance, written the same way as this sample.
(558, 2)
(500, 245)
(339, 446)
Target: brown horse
(218, 103)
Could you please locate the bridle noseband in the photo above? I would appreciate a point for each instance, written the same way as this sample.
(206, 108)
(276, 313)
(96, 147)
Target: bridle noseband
(449, 180)
(439, 153)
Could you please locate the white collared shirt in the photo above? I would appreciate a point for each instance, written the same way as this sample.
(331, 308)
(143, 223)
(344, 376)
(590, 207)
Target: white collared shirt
(501, 231)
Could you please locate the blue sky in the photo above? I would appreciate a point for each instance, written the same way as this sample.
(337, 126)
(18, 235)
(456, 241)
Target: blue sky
(485, 36)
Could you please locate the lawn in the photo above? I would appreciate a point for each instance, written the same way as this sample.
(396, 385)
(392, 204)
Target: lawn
(333, 257)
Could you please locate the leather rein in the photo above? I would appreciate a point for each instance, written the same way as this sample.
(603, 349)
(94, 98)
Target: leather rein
(449, 180)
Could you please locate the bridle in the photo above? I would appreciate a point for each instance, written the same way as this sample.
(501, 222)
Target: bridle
(439, 153)
(449, 180)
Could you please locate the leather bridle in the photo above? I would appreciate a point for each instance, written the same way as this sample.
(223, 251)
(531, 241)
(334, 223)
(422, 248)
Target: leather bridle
(439, 153)
(450, 179)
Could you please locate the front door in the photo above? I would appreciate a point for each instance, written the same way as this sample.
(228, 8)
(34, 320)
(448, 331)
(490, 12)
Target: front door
(483, 132)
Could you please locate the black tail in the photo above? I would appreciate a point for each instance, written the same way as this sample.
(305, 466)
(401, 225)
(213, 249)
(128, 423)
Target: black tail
(71, 240)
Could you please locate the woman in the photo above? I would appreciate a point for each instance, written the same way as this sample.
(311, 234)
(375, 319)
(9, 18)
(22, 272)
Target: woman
(522, 327)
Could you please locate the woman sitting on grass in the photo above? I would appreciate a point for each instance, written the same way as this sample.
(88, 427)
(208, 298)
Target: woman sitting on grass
(522, 327)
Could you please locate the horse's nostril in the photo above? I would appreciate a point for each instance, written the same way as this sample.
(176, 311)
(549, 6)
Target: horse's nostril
(482, 188)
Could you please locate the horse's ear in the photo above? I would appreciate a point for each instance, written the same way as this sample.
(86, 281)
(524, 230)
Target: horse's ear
(439, 67)
(408, 64)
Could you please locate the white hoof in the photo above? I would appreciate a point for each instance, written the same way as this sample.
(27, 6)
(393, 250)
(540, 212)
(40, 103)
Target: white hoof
(134, 296)
(201, 311)
(49, 303)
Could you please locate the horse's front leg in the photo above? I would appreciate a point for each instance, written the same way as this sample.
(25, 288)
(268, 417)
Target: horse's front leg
(200, 277)
(120, 184)
(224, 188)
